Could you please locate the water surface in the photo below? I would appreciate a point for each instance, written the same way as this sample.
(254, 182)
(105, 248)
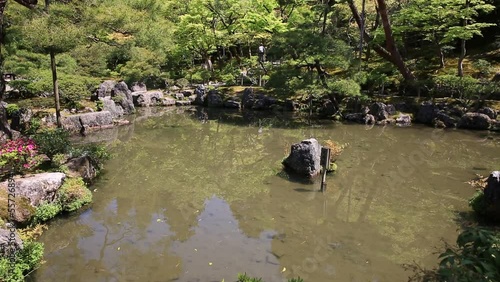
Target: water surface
(186, 200)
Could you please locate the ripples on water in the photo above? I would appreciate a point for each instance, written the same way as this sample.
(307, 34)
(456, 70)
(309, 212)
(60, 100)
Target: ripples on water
(183, 200)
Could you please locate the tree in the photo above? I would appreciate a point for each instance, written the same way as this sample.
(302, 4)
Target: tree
(52, 31)
(443, 22)
(390, 52)
(4, 125)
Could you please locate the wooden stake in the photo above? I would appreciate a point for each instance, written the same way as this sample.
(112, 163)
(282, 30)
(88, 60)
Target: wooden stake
(325, 163)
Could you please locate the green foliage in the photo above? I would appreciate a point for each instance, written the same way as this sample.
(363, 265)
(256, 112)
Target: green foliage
(477, 203)
(483, 67)
(52, 141)
(475, 258)
(33, 126)
(25, 260)
(97, 154)
(99, 105)
(73, 194)
(464, 87)
(45, 212)
(44, 103)
(11, 109)
(182, 83)
(346, 87)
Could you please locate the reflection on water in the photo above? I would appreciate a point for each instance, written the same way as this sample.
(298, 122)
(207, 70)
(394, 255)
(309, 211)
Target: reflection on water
(184, 200)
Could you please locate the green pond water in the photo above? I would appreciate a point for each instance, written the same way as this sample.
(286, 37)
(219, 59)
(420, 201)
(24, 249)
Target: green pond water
(183, 200)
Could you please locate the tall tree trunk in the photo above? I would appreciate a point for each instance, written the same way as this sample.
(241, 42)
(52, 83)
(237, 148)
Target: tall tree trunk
(56, 88)
(390, 53)
(4, 123)
(462, 47)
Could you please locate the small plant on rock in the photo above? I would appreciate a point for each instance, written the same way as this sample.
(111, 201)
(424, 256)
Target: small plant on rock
(73, 194)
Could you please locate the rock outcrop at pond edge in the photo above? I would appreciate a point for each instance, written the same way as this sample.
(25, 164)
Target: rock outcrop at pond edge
(304, 159)
(88, 121)
(35, 190)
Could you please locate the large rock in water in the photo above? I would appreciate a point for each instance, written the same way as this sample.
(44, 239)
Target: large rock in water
(427, 112)
(214, 100)
(475, 121)
(304, 158)
(82, 122)
(110, 106)
(492, 197)
(201, 95)
(82, 167)
(147, 98)
(123, 96)
(31, 191)
(378, 110)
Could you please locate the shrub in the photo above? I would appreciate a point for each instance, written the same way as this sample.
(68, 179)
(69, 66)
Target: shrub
(97, 154)
(478, 204)
(25, 260)
(73, 194)
(12, 109)
(52, 141)
(33, 127)
(345, 87)
(182, 83)
(45, 212)
(475, 258)
(19, 155)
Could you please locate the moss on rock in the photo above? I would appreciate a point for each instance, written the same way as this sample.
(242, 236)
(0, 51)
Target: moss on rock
(74, 194)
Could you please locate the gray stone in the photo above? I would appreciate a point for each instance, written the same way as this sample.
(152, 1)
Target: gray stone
(492, 197)
(355, 117)
(123, 97)
(447, 120)
(403, 120)
(38, 188)
(167, 101)
(248, 98)
(82, 122)
(104, 90)
(8, 245)
(147, 98)
(369, 119)
(200, 95)
(378, 110)
(475, 121)
(182, 103)
(110, 106)
(138, 86)
(491, 113)
(427, 112)
(304, 158)
(20, 119)
(82, 167)
(327, 108)
(179, 96)
(390, 109)
(192, 98)
(214, 100)
(232, 104)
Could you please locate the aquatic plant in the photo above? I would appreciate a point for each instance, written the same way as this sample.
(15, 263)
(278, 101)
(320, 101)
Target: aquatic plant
(46, 211)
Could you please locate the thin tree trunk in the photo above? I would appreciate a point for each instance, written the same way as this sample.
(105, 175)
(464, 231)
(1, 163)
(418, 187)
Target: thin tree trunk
(56, 88)
(391, 55)
(463, 51)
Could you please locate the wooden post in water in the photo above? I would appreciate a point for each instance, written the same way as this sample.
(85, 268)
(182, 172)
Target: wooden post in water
(325, 163)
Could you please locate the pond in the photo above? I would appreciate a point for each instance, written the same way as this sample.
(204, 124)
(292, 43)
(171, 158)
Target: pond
(189, 200)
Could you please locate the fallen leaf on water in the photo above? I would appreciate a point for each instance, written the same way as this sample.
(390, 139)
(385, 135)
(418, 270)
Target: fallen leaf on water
(283, 270)
(195, 250)
(209, 263)
(118, 248)
(158, 220)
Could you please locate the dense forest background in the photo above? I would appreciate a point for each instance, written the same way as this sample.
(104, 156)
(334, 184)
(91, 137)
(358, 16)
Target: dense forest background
(408, 47)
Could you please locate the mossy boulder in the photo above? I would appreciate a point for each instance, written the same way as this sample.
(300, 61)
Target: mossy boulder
(73, 194)
(486, 203)
(23, 210)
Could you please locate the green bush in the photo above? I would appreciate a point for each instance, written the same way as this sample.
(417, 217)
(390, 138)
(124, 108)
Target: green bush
(33, 127)
(345, 87)
(73, 194)
(26, 260)
(39, 102)
(45, 212)
(52, 141)
(97, 154)
(182, 83)
(475, 258)
(478, 204)
(11, 109)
